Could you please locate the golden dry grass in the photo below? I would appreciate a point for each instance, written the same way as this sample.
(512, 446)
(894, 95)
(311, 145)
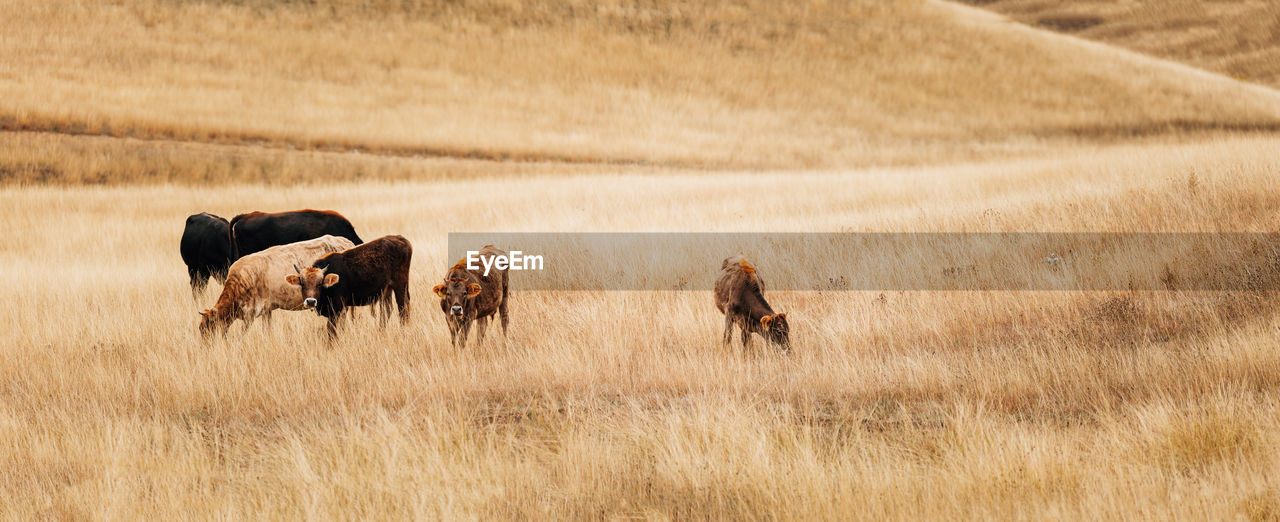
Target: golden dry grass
(937, 405)
(44, 158)
(664, 116)
(685, 83)
(1234, 38)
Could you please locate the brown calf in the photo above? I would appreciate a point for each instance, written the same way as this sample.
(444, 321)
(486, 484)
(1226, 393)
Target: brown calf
(469, 295)
(738, 295)
(359, 276)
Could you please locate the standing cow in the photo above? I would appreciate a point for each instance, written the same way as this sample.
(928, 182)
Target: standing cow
(257, 231)
(738, 295)
(206, 250)
(469, 295)
(360, 276)
(256, 283)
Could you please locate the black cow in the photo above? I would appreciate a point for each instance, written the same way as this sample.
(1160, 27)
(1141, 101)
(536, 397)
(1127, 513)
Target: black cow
(206, 249)
(258, 231)
(360, 276)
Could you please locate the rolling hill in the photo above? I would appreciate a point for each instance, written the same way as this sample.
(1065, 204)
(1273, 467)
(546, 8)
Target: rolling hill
(694, 84)
(1238, 38)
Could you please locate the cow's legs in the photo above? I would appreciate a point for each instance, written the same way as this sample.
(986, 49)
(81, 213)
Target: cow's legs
(386, 307)
(382, 308)
(402, 301)
(502, 313)
(746, 335)
(198, 281)
(728, 328)
(481, 324)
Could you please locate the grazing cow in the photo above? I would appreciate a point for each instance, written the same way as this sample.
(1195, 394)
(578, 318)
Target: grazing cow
(257, 231)
(256, 283)
(360, 276)
(206, 249)
(738, 296)
(469, 295)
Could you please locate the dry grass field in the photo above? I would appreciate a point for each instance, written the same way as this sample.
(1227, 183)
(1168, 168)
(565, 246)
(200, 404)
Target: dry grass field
(669, 117)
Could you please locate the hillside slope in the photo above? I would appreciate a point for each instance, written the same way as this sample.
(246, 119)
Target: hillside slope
(672, 82)
(1236, 38)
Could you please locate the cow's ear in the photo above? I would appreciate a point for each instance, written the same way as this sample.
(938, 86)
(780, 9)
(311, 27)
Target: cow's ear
(205, 313)
(292, 279)
(473, 290)
(766, 321)
(330, 280)
(439, 290)
(781, 316)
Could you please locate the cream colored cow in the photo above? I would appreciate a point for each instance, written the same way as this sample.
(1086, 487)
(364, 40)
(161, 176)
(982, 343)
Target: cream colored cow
(256, 283)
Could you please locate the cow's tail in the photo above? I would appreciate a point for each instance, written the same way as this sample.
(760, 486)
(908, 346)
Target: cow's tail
(506, 287)
(231, 235)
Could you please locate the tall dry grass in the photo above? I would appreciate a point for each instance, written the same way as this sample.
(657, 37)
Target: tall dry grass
(406, 117)
(1120, 405)
(683, 83)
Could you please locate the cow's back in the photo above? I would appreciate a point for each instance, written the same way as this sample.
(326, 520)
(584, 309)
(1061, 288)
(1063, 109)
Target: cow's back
(494, 286)
(371, 262)
(365, 272)
(257, 231)
(266, 270)
(303, 253)
(737, 276)
(497, 279)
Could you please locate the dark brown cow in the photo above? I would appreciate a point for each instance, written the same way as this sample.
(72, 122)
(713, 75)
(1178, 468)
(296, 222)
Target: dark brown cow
(738, 296)
(468, 296)
(359, 276)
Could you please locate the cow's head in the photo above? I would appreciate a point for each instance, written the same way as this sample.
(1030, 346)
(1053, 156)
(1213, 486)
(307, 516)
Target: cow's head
(313, 281)
(211, 322)
(777, 331)
(455, 292)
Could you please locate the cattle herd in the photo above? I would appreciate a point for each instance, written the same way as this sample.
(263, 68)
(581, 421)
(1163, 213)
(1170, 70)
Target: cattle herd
(313, 260)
